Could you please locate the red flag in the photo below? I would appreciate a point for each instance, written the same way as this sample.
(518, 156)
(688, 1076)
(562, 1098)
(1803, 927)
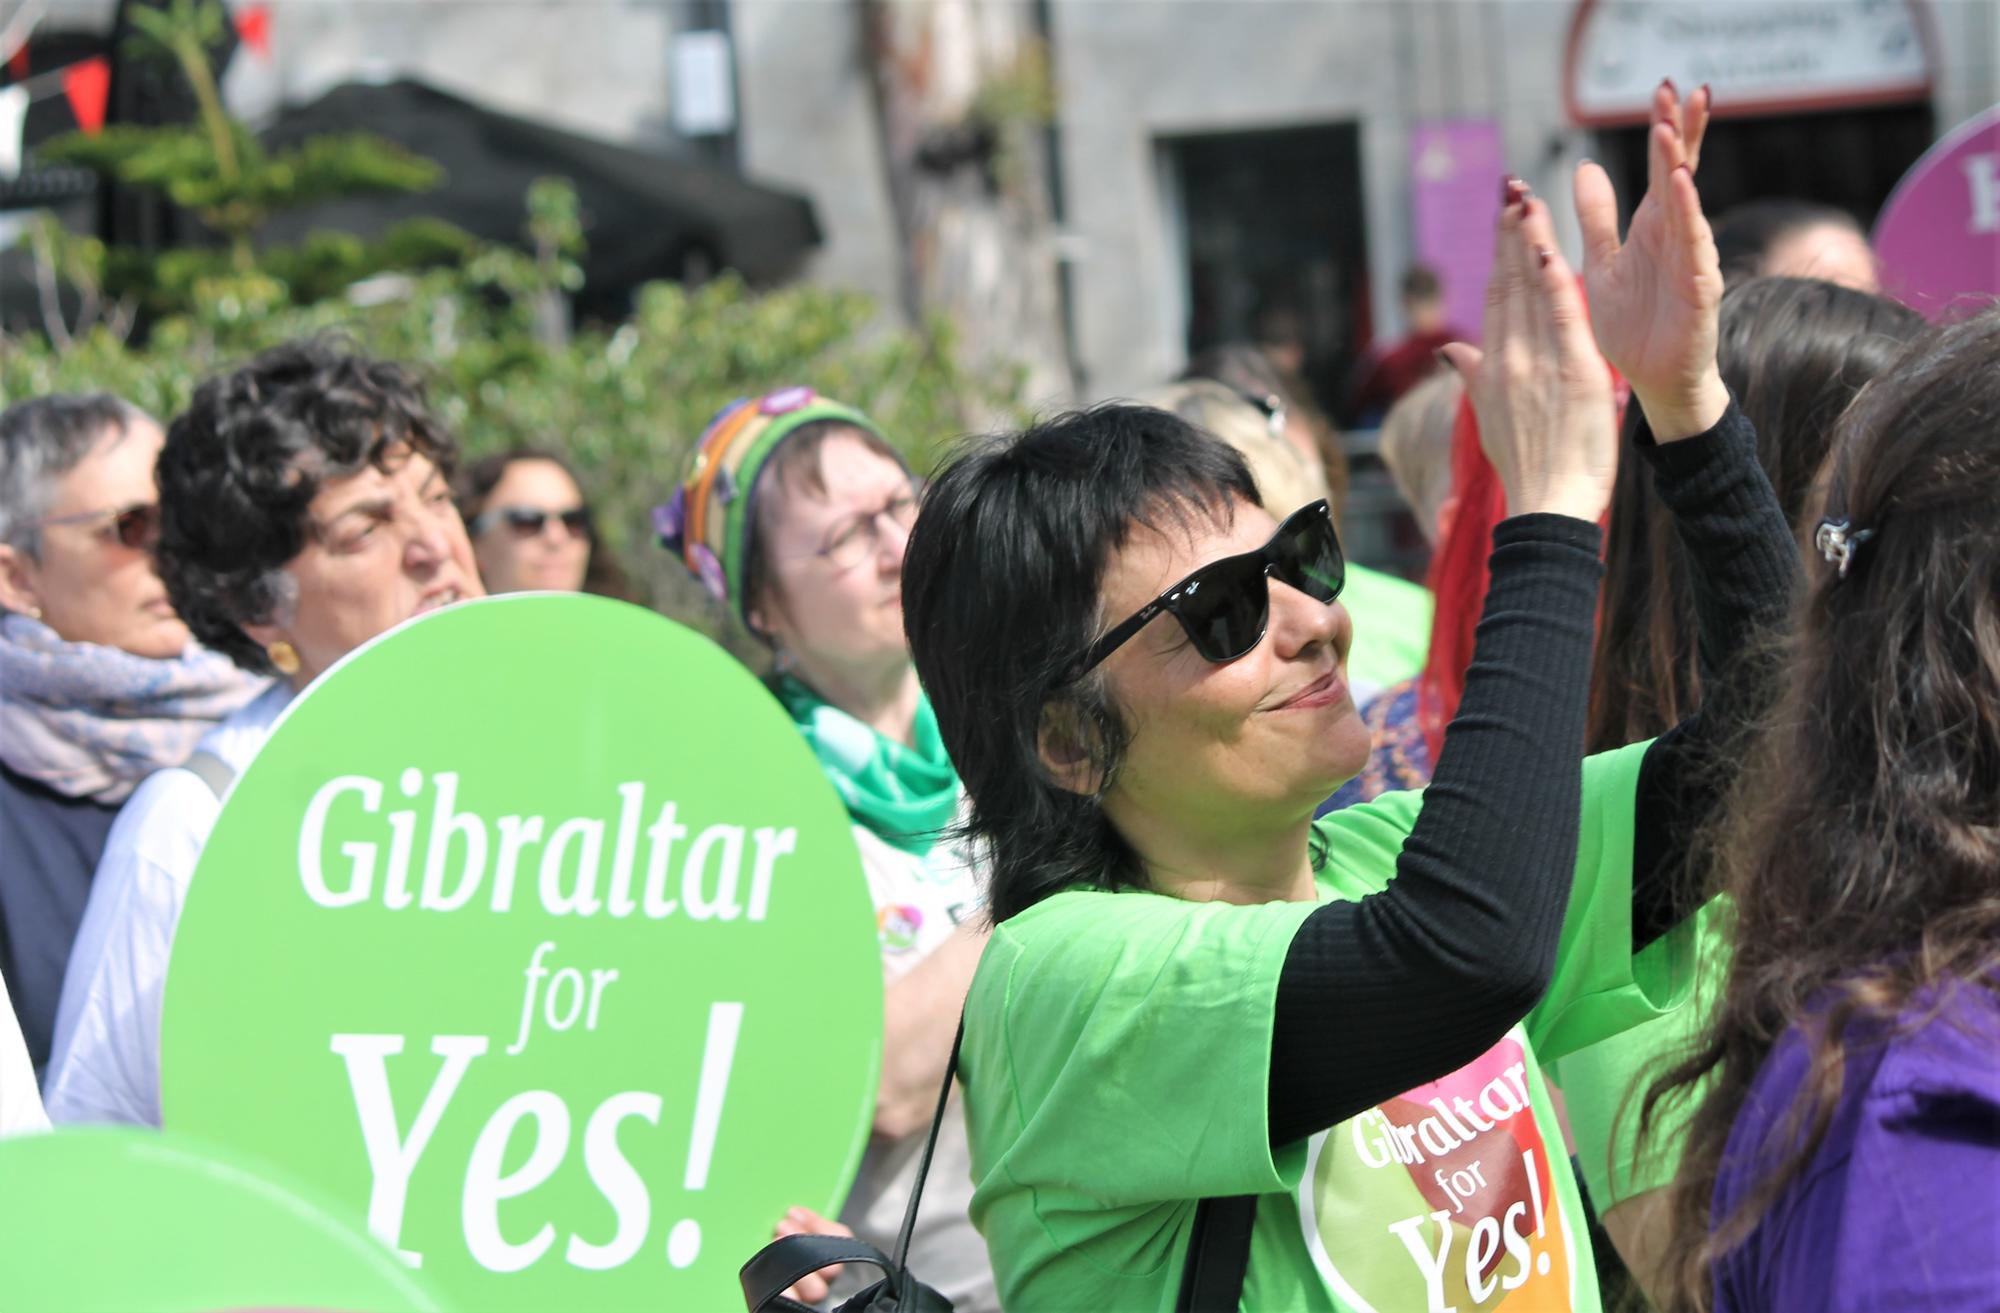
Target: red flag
(253, 26)
(88, 86)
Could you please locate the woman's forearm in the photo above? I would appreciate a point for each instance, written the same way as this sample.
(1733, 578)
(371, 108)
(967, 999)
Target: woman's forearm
(920, 1012)
(1382, 994)
(1745, 575)
(1746, 561)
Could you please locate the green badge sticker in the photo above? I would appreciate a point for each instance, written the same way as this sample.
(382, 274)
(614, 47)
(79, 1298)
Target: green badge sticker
(103, 1219)
(536, 935)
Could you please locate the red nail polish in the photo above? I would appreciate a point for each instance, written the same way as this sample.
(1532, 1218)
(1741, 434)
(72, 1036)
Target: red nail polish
(1509, 184)
(1542, 257)
(1707, 92)
(1668, 83)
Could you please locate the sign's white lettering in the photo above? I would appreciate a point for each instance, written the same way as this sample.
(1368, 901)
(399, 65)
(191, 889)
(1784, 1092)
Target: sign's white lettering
(569, 870)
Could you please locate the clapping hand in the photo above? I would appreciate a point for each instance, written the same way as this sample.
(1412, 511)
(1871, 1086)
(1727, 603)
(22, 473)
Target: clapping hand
(1540, 388)
(1655, 298)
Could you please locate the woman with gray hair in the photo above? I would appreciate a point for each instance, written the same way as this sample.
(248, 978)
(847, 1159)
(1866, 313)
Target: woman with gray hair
(100, 684)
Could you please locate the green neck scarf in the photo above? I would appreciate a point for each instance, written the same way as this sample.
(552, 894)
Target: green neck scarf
(905, 794)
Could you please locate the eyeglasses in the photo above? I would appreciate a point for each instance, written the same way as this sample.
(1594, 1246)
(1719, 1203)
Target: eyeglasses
(136, 526)
(527, 521)
(1225, 606)
(861, 534)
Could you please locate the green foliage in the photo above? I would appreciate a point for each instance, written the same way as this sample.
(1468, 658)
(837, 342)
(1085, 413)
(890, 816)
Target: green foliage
(326, 264)
(1021, 92)
(183, 164)
(625, 401)
(486, 324)
(161, 31)
(216, 168)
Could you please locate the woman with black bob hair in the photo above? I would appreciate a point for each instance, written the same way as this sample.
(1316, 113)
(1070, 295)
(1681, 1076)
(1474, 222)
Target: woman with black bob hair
(1201, 1015)
(305, 507)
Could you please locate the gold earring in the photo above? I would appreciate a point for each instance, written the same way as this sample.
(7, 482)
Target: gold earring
(34, 613)
(284, 656)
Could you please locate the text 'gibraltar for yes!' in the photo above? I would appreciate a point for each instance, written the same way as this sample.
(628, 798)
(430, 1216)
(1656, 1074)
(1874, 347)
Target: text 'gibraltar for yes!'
(569, 873)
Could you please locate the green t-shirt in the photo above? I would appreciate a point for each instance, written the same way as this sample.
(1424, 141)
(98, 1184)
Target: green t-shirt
(1116, 1058)
(1392, 627)
(1604, 1085)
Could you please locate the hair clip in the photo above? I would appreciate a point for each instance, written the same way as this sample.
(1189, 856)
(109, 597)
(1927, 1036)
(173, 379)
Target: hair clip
(1837, 540)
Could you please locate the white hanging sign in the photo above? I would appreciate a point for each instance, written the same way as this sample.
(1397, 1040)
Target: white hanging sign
(1758, 56)
(704, 84)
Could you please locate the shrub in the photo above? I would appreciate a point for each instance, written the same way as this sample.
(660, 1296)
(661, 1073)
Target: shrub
(625, 401)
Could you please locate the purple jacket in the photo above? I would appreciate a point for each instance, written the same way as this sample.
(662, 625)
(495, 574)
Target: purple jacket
(1899, 1209)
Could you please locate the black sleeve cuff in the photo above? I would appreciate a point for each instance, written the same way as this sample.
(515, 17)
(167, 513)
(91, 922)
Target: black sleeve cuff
(1555, 530)
(1693, 466)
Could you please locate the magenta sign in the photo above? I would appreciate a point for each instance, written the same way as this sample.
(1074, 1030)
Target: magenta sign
(1455, 173)
(1938, 237)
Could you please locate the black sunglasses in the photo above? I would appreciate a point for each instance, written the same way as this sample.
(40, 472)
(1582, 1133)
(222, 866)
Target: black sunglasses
(527, 521)
(1225, 606)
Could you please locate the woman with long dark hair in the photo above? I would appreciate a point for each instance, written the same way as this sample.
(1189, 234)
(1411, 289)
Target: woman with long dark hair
(1201, 1015)
(1845, 1152)
(1794, 352)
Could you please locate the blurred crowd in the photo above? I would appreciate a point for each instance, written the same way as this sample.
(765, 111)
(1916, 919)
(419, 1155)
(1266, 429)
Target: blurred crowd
(168, 585)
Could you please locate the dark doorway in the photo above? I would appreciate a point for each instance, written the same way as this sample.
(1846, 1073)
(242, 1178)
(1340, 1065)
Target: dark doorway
(1275, 245)
(1848, 158)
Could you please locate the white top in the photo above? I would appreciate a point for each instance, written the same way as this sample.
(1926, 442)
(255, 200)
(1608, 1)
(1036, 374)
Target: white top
(20, 1102)
(105, 1062)
(919, 901)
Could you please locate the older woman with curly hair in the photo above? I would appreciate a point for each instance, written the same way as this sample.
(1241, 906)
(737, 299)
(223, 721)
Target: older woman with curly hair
(305, 507)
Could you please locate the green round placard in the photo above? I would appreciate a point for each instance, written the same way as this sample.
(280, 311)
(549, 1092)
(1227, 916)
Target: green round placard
(535, 934)
(107, 1219)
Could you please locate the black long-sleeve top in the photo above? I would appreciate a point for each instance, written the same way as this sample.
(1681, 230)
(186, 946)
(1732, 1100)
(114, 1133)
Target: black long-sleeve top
(1384, 993)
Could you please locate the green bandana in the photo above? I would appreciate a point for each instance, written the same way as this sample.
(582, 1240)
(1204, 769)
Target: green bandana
(905, 795)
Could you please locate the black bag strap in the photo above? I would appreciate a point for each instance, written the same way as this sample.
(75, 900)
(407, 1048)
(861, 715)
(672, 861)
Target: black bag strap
(1212, 1281)
(930, 1146)
(776, 1267)
(1218, 1255)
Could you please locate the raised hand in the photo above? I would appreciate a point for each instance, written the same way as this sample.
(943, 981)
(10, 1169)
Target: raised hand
(1655, 298)
(1541, 390)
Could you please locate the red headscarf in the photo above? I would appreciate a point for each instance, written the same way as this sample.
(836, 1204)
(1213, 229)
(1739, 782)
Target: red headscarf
(1458, 576)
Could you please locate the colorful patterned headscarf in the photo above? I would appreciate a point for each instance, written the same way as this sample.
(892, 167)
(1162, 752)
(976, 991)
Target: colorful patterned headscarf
(707, 523)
